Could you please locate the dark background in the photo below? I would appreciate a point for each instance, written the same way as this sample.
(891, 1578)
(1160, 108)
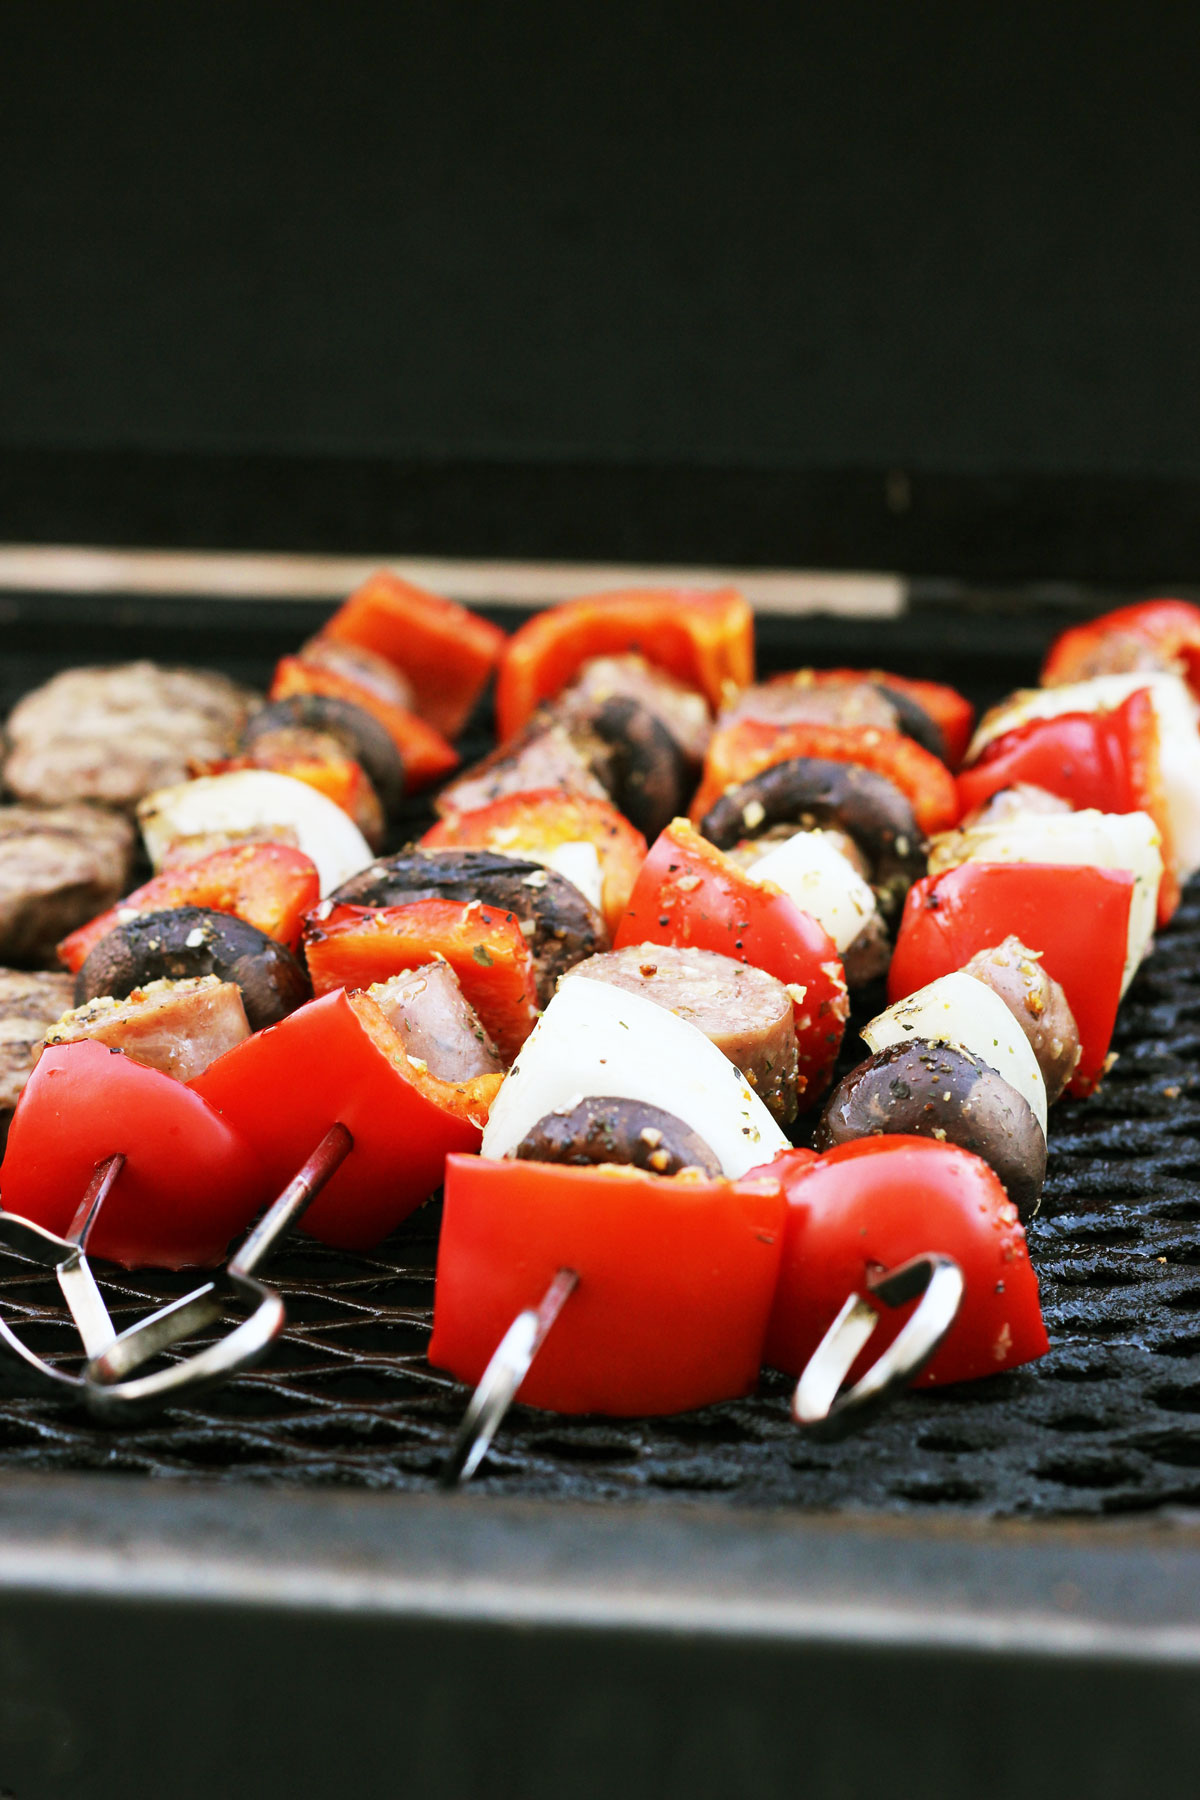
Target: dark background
(910, 286)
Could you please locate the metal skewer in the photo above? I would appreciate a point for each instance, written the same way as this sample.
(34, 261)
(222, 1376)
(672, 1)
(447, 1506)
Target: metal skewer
(501, 1379)
(112, 1389)
(819, 1405)
(22, 1371)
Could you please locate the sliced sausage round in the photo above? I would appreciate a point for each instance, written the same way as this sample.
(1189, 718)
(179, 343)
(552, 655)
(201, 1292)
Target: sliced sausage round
(606, 1130)
(187, 941)
(745, 1012)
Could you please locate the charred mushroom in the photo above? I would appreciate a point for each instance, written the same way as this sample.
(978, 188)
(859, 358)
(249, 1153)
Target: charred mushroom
(561, 925)
(935, 1090)
(648, 776)
(357, 731)
(608, 1130)
(809, 791)
(189, 941)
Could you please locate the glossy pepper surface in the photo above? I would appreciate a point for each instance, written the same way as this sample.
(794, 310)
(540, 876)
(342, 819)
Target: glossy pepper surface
(1075, 917)
(424, 752)
(1108, 760)
(541, 821)
(691, 893)
(446, 650)
(704, 638)
(878, 1202)
(676, 1280)
(739, 751)
(1149, 634)
(191, 1179)
(338, 1061)
(270, 886)
(355, 946)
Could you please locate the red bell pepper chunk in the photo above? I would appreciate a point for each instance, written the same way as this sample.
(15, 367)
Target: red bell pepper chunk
(446, 651)
(271, 886)
(338, 776)
(950, 711)
(676, 1278)
(337, 1060)
(354, 946)
(875, 1204)
(423, 750)
(704, 638)
(191, 1179)
(1077, 917)
(1149, 634)
(1107, 760)
(744, 749)
(691, 893)
(541, 821)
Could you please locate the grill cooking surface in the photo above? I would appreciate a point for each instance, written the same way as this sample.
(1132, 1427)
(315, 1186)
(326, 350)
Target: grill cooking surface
(1108, 1422)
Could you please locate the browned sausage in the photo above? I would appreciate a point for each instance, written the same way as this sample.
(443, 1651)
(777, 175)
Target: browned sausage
(176, 1026)
(1037, 1003)
(744, 1011)
(437, 1024)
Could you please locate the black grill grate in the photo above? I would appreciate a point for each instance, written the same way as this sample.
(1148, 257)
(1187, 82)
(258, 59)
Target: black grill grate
(1109, 1422)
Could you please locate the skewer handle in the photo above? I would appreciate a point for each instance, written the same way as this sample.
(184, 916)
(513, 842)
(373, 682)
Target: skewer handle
(818, 1403)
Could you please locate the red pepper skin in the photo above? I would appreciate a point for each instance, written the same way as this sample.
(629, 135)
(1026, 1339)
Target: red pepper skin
(739, 751)
(1078, 917)
(876, 1203)
(271, 886)
(423, 750)
(1107, 760)
(191, 1180)
(950, 711)
(446, 651)
(541, 820)
(691, 893)
(1169, 629)
(338, 1060)
(703, 637)
(676, 1279)
(353, 946)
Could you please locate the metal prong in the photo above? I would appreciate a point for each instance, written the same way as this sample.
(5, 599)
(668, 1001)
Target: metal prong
(22, 1371)
(818, 1405)
(74, 1273)
(114, 1392)
(501, 1379)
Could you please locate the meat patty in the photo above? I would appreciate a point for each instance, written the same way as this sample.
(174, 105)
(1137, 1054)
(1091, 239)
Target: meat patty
(745, 1012)
(176, 1026)
(29, 1005)
(114, 734)
(59, 867)
(437, 1024)
(549, 755)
